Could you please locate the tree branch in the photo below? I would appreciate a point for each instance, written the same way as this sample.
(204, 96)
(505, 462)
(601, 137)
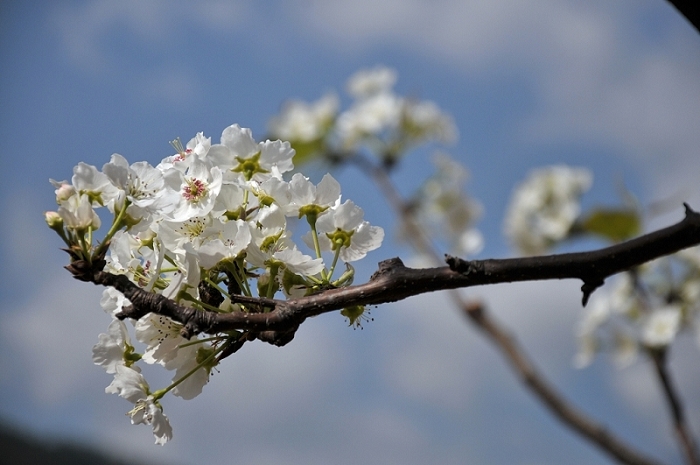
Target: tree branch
(689, 10)
(393, 281)
(682, 429)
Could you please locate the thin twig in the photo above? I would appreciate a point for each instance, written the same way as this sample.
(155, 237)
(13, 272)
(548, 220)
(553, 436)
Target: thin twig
(685, 438)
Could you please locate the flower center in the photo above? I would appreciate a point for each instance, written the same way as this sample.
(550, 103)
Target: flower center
(194, 190)
(193, 228)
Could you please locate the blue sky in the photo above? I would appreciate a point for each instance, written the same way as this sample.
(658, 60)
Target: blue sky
(613, 86)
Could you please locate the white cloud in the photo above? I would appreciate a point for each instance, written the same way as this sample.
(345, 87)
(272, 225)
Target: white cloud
(84, 29)
(88, 33)
(53, 334)
(473, 35)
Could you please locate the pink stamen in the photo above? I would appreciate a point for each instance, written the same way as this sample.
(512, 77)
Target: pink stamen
(194, 190)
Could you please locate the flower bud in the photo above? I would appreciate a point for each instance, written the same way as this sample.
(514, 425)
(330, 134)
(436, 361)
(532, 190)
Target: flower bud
(64, 192)
(54, 220)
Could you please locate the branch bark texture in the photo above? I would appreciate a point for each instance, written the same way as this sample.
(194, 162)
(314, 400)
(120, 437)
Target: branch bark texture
(393, 281)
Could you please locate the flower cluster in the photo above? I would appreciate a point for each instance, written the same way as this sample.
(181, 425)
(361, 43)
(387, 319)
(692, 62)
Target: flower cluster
(385, 122)
(643, 310)
(442, 206)
(545, 206)
(204, 224)
(386, 125)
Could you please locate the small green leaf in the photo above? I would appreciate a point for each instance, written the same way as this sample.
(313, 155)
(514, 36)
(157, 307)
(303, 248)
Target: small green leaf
(307, 151)
(613, 224)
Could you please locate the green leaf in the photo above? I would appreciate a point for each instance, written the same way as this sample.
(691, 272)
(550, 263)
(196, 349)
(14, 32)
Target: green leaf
(613, 224)
(307, 151)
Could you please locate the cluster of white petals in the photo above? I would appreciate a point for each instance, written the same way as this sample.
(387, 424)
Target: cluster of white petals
(300, 121)
(545, 206)
(642, 310)
(211, 218)
(380, 115)
(442, 205)
(378, 118)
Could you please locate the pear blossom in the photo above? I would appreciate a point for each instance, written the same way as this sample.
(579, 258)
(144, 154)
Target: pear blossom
(113, 301)
(424, 120)
(368, 82)
(161, 336)
(370, 117)
(192, 193)
(173, 223)
(271, 191)
(442, 205)
(305, 122)
(96, 185)
(188, 359)
(196, 148)
(281, 251)
(142, 183)
(343, 227)
(230, 201)
(64, 190)
(78, 215)
(195, 230)
(304, 195)
(54, 221)
(121, 258)
(661, 326)
(239, 155)
(114, 348)
(187, 276)
(233, 238)
(132, 386)
(544, 207)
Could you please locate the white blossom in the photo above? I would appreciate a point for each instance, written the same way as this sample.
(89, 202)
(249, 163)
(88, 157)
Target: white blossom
(303, 193)
(239, 156)
(661, 326)
(141, 183)
(233, 239)
(188, 358)
(193, 193)
(78, 215)
(369, 82)
(113, 347)
(545, 206)
(343, 227)
(96, 185)
(113, 301)
(161, 336)
(305, 122)
(132, 386)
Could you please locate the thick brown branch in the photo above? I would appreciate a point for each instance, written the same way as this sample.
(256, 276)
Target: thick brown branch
(590, 267)
(393, 281)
